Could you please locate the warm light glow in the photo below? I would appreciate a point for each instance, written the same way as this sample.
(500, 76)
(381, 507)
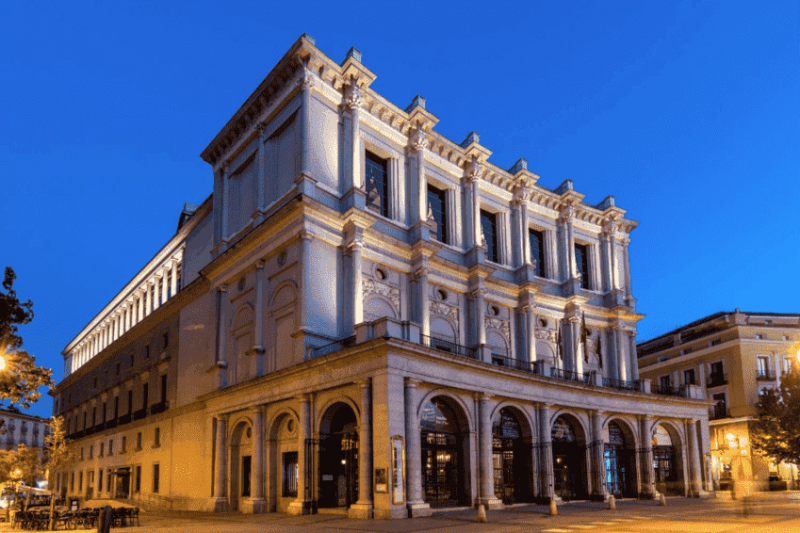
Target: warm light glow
(2, 362)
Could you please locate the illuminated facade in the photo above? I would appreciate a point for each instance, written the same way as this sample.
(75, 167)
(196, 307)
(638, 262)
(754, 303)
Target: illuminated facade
(17, 427)
(371, 317)
(732, 357)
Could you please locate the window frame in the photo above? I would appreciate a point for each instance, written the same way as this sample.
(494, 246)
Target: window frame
(582, 266)
(541, 259)
(375, 161)
(442, 233)
(492, 246)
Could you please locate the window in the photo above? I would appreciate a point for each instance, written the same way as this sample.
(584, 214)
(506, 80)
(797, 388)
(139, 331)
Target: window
(81, 454)
(72, 482)
(137, 486)
(116, 407)
(100, 480)
(124, 443)
(377, 182)
(536, 239)
(290, 474)
(131, 361)
(130, 401)
(118, 369)
(686, 351)
(147, 351)
(94, 416)
(759, 336)
(762, 366)
(155, 478)
(103, 413)
(139, 441)
(787, 365)
(438, 206)
(721, 409)
(489, 227)
(111, 447)
(144, 396)
(163, 388)
(108, 481)
(582, 264)
(102, 447)
(688, 377)
(165, 339)
(80, 480)
(664, 382)
(157, 438)
(715, 342)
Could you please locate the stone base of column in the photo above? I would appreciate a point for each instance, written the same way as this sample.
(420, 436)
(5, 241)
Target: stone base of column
(417, 509)
(360, 510)
(598, 497)
(254, 505)
(492, 504)
(648, 494)
(299, 507)
(218, 505)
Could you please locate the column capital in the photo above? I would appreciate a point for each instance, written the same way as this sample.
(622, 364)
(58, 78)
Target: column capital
(306, 81)
(482, 396)
(222, 417)
(473, 170)
(521, 196)
(260, 264)
(306, 235)
(222, 288)
(597, 412)
(411, 383)
(352, 96)
(418, 140)
(303, 398)
(261, 129)
(567, 214)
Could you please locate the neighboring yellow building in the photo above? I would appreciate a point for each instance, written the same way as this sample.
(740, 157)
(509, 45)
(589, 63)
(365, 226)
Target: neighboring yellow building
(734, 357)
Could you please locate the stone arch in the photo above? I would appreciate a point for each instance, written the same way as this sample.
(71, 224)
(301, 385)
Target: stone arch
(240, 454)
(622, 470)
(443, 327)
(580, 425)
(497, 340)
(243, 317)
(284, 294)
(512, 457)
(378, 306)
(462, 411)
(671, 472)
(339, 443)
(544, 350)
(341, 398)
(282, 325)
(569, 440)
(521, 413)
(283, 448)
(241, 367)
(630, 433)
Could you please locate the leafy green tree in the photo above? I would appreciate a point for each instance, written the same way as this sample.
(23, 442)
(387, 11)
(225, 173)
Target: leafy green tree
(20, 378)
(776, 431)
(58, 456)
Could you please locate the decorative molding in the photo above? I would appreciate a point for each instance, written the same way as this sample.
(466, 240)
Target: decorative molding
(374, 287)
(544, 334)
(353, 97)
(418, 140)
(501, 326)
(441, 308)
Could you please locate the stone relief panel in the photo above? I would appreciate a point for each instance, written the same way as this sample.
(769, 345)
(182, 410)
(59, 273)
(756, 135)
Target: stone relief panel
(501, 326)
(382, 289)
(439, 308)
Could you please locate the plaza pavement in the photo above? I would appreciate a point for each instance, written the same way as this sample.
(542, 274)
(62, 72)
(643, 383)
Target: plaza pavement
(765, 513)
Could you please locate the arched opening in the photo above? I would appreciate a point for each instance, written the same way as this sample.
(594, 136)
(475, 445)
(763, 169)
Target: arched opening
(667, 463)
(569, 459)
(282, 463)
(620, 461)
(338, 457)
(445, 453)
(241, 461)
(512, 458)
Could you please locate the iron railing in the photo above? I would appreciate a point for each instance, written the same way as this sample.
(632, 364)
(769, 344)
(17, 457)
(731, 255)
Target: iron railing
(568, 375)
(621, 384)
(717, 380)
(334, 346)
(765, 375)
(516, 364)
(449, 347)
(670, 391)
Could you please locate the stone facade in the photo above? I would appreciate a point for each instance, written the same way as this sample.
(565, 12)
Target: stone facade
(732, 357)
(17, 427)
(369, 316)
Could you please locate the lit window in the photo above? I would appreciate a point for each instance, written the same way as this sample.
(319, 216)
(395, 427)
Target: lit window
(688, 377)
(377, 181)
(290, 474)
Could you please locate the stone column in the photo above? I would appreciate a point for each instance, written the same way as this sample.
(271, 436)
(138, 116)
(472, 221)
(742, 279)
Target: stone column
(546, 451)
(258, 339)
(598, 449)
(423, 311)
(476, 209)
(487, 496)
(353, 101)
(363, 507)
(306, 86)
(174, 278)
(619, 354)
(226, 170)
(222, 322)
(259, 503)
(418, 143)
(627, 265)
(302, 505)
(148, 305)
(140, 314)
(416, 507)
(261, 201)
(164, 287)
(633, 367)
(480, 319)
(357, 283)
(695, 483)
(524, 245)
(305, 280)
(646, 470)
(157, 278)
(220, 467)
(530, 319)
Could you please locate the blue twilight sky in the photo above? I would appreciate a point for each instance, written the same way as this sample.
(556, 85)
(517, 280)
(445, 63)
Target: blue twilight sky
(687, 112)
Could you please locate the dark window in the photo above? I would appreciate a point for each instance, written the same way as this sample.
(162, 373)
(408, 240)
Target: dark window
(762, 366)
(438, 206)
(489, 227)
(145, 399)
(100, 480)
(664, 382)
(716, 342)
(582, 264)
(377, 184)
(717, 369)
(157, 437)
(247, 466)
(124, 443)
(163, 388)
(688, 377)
(165, 339)
(116, 407)
(130, 401)
(131, 361)
(111, 447)
(138, 484)
(80, 480)
(155, 478)
(94, 416)
(536, 239)
(102, 447)
(103, 413)
(139, 441)
(108, 481)
(290, 474)
(721, 406)
(118, 369)
(147, 351)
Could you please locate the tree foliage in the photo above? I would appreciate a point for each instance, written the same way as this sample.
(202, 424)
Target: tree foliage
(21, 378)
(776, 431)
(58, 456)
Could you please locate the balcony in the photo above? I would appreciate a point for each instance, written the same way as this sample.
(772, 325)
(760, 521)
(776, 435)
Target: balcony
(141, 413)
(670, 391)
(717, 380)
(449, 347)
(568, 375)
(765, 375)
(516, 364)
(719, 411)
(157, 408)
(111, 423)
(125, 419)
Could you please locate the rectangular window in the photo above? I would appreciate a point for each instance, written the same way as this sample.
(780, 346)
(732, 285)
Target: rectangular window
(163, 388)
(124, 442)
(102, 447)
(582, 264)
(438, 207)
(72, 482)
(664, 382)
(787, 365)
(138, 484)
(762, 367)
(686, 351)
(81, 454)
(536, 239)
(155, 478)
(108, 481)
(100, 480)
(139, 441)
(377, 184)
(116, 407)
(130, 402)
(103, 413)
(759, 336)
(145, 399)
(165, 340)
(489, 227)
(80, 480)
(717, 369)
(688, 377)
(290, 474)
(94, 416)
(111, 447)
(147, 351)
(157, 437)
(715, 342)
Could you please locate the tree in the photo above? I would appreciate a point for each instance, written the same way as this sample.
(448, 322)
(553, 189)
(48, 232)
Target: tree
(58, 456)
(776, 431)
(21, 378)
(29, 463)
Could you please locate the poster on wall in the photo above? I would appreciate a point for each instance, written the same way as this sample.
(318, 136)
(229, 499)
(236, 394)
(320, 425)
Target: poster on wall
(398, 469)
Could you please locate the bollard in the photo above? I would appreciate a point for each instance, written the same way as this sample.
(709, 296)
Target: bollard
(104, 520)
(553, 508)
(482, 514)
(662, 501)
(612, 502)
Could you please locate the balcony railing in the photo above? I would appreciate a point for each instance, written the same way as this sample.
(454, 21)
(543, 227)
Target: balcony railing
(668, 390)
(719, 411)
(449, 347)
(516, 364)
(110, 424)
(717, 380)
(125, 419)
(141, 413)
(568, 375)
(157, 408)
(765, 375)
(620, 384)
(334, 346)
